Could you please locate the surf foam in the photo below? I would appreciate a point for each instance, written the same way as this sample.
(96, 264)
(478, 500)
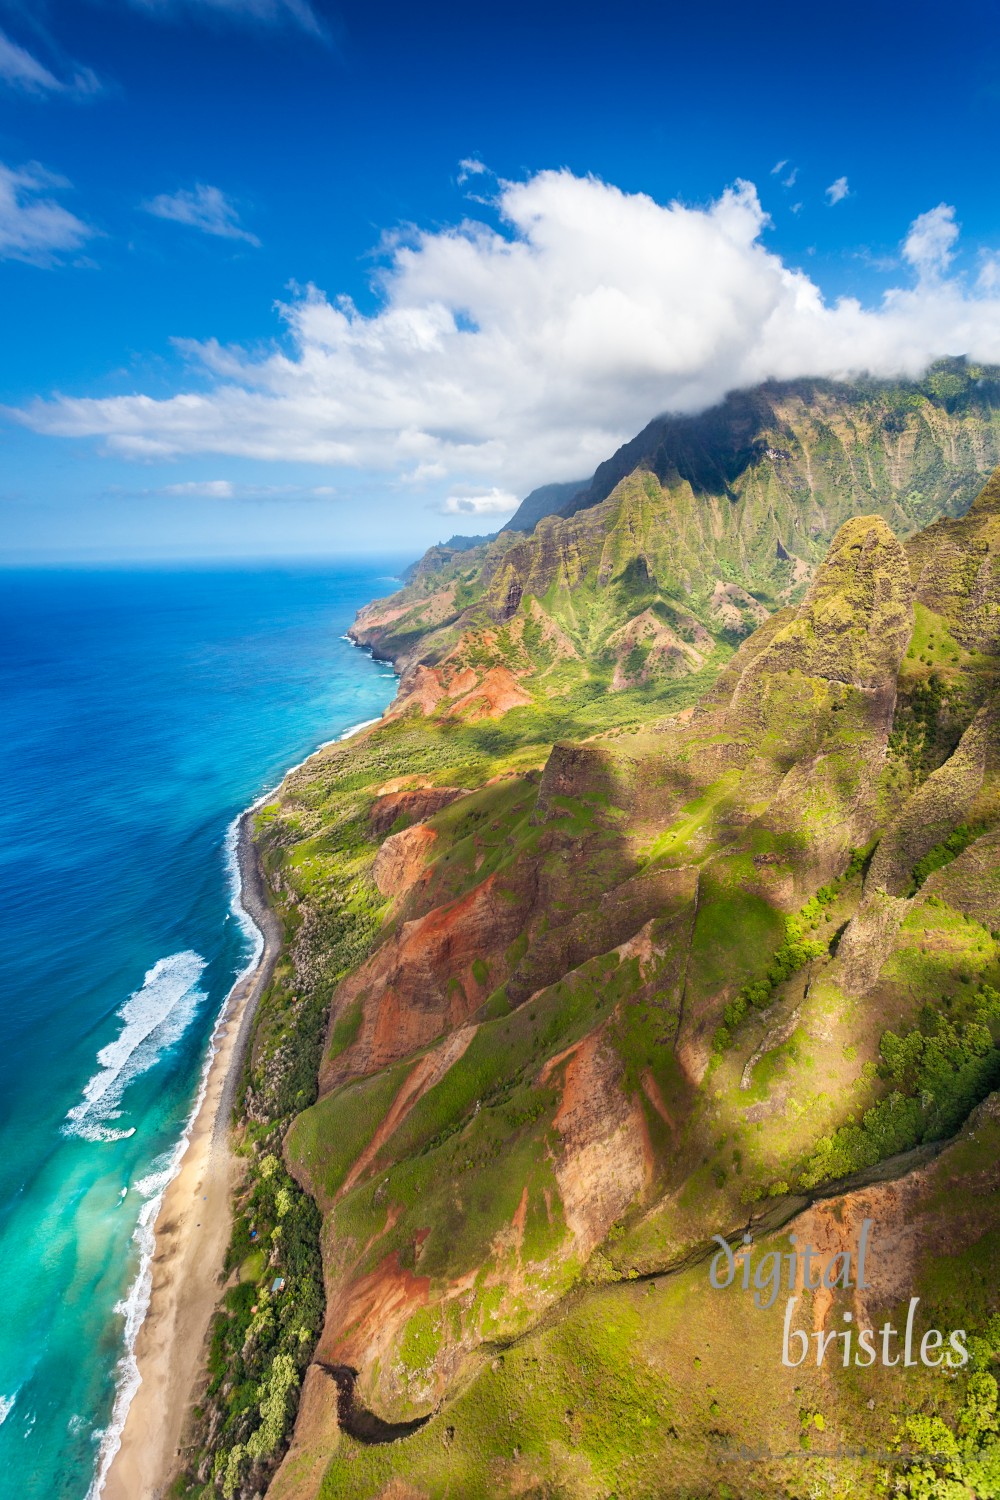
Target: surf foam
(153, 1186)
(153, 1017)
(134, 1307)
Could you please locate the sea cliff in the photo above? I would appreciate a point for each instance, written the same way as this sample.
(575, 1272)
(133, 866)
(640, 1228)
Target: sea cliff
(590, 962)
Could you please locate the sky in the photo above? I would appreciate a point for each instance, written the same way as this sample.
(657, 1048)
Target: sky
(289, 278)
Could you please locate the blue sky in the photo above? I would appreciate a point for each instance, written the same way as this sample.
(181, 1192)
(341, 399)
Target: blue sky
(550, 223)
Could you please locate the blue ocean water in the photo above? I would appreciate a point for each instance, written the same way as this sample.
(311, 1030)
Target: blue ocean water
(140, 712)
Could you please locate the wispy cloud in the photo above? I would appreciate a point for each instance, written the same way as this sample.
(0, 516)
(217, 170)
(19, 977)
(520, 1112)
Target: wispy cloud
(790, 180)
(267, 12)
(205, 489)
(206, 208)
(837, 191)
(499, 358)
(779, 166)
(35, 227)
(228, 489)
(20, 69)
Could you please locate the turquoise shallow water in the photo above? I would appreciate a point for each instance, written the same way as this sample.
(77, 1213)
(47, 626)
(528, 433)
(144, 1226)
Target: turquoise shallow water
(141, 712)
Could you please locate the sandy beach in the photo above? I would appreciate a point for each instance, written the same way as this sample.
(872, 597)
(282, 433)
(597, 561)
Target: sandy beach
(192, 1233)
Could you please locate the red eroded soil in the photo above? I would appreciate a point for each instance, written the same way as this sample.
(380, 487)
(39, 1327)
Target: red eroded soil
(363, 1317)
(607, 1157)
(496, 694)
(421, 981)
(402, 859)
(413, 803)
(425, 1074)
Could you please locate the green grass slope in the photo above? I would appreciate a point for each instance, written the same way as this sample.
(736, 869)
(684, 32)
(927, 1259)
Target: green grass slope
(667, 966)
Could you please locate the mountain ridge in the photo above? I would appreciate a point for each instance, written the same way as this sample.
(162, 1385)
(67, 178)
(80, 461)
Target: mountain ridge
(575, 979)
(693, 533)
(680, 887)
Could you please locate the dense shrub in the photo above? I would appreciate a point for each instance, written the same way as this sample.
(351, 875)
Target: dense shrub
(938, 1076)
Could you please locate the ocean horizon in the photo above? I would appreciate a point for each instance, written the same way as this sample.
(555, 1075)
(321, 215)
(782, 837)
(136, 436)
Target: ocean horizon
(145, 709)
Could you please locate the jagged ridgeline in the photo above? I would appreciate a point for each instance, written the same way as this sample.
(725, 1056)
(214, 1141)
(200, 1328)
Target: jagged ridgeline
(551, 1015)
(688, 538)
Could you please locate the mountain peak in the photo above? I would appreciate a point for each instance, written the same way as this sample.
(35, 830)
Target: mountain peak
(697, 530)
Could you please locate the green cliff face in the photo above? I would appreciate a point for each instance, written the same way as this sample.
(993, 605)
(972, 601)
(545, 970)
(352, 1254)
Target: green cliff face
(695, 531)
(588, 977)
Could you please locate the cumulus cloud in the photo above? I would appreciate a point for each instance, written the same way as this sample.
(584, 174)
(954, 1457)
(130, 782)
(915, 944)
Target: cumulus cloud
(203, 207)
(517, 355)
(838, 191)
(930, 245)
(494, 502)
(34, 227)
(21, 70)
(270, 12)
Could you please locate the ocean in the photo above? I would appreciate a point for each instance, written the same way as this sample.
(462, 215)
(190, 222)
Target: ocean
(140, 712)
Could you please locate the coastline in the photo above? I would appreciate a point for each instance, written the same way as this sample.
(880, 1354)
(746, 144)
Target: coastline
(192, 1228)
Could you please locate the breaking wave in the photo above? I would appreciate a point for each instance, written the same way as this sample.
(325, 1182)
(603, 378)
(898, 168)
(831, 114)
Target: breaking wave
(153, 1018)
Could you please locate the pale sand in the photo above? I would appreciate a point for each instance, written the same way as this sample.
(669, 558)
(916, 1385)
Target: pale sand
(192, 1233)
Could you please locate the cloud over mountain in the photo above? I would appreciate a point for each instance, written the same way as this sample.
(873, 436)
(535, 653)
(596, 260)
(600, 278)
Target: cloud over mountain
(505, 356)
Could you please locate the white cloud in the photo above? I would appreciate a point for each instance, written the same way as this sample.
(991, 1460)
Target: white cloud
(929, 246)
(838, 191)
(206, 208)
(470, 166)
(779, 166)
(33, 226)
(21, 70)
(512, 357)
(208, 489)
(269, 12)
(790, 180)
(494, 502)
(225, 489)
(988, 279)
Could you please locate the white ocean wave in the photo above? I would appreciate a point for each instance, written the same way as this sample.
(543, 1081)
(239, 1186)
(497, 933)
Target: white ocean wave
(153, 1018)
(248, 926)
(133, 1308)
(357, 728)
(159, 1174)
(6, 1407)
(153, 1186)
(164, 1169)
